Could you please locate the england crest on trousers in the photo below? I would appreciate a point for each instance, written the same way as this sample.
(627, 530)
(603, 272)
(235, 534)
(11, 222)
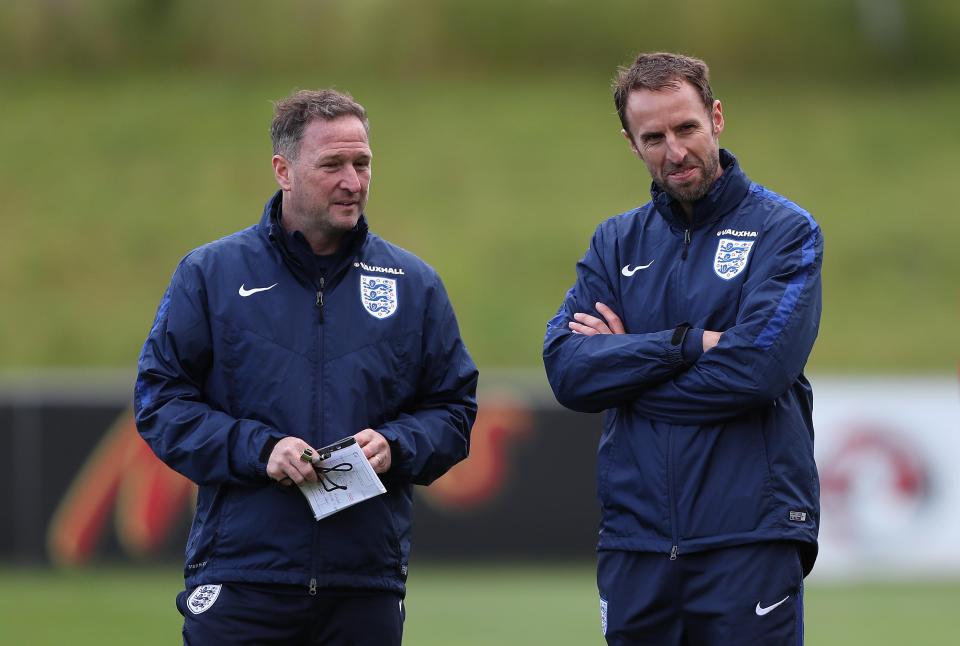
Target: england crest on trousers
(731, 257)
(378, 295)
(202, 598)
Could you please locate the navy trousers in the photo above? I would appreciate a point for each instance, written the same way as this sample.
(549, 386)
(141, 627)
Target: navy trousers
(750, 595)
(247, 613)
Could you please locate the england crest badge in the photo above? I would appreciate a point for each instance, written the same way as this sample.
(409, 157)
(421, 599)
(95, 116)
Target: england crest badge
(378, 295)
(731, 257)
(201, 599)
(603, 615)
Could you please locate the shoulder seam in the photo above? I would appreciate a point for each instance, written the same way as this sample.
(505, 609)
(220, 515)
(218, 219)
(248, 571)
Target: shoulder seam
(765, 193)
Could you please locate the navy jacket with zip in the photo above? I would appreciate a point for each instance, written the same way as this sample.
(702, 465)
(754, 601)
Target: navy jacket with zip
(223, 376)
(699, 450)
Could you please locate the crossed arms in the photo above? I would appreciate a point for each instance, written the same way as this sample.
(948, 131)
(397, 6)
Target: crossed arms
(594, 364)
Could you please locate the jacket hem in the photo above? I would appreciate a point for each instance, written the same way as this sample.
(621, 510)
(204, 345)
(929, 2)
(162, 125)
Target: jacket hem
(323, 579)
(692, 545)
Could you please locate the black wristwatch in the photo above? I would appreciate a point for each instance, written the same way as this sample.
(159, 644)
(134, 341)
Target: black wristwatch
(679, 334)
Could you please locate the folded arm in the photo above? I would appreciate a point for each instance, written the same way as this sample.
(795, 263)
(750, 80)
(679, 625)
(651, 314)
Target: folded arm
(762, 355)
(590, 371)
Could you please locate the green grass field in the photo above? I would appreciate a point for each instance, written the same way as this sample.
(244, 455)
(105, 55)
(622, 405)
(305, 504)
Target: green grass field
(109, 180)
(449, 606)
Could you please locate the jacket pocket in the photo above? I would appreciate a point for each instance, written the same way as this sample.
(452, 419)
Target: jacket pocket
(606, 454)
(722, 479)
(632, 474)
(360, 540)
(266, 527)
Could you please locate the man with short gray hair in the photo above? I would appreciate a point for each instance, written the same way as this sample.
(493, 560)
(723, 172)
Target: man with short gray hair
(303, 331)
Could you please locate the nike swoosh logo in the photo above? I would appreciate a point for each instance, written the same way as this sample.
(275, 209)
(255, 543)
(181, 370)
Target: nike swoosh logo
(250, 292)
(626, 271)
(762, 611)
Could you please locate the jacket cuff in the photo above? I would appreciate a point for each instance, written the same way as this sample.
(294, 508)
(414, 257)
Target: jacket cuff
(692, 345)
(399, 459)
(267, 449)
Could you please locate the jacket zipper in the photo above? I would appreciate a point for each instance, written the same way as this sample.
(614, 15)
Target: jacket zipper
(320, 298)
(316, 528)
(671, 489)
(677, 292)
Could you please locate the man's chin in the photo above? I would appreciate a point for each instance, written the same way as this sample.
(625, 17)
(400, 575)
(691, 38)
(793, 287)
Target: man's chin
(346, 213)
(347, 223)
(686, 192)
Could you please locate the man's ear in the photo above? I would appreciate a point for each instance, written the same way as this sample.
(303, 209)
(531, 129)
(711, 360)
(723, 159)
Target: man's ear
(281, 171)
(717, 117)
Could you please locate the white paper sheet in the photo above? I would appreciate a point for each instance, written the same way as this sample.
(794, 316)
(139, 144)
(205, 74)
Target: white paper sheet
(342, 486)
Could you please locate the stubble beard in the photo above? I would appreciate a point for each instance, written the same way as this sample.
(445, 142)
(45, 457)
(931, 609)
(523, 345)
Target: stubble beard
(326, 223)
(319, 223)
(692, 193)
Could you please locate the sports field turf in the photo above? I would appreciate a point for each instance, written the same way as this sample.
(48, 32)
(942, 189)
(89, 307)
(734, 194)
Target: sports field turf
(449, 606)
(498, 183)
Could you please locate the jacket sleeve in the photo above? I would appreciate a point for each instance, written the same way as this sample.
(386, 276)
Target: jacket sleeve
(593, 373)
(204, 444)
(433, 433)
(761, 356)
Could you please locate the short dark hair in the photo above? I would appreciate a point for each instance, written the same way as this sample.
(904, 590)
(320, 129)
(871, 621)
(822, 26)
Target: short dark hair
(656, 71)
(292, 114)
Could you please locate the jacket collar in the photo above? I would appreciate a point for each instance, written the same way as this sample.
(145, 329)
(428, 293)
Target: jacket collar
(725, 194)
(296, 253)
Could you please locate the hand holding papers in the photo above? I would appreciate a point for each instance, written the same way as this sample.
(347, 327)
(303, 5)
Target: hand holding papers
(345, 478)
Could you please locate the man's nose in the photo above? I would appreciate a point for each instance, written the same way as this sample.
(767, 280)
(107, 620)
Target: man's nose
(676, 151)
(350, 180)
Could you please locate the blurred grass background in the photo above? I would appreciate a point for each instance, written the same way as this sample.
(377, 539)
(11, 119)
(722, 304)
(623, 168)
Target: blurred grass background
(450, 606)
(135, 130)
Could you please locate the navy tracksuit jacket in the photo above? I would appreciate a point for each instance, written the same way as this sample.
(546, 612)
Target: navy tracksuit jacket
(223, 375)
(699, 450)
